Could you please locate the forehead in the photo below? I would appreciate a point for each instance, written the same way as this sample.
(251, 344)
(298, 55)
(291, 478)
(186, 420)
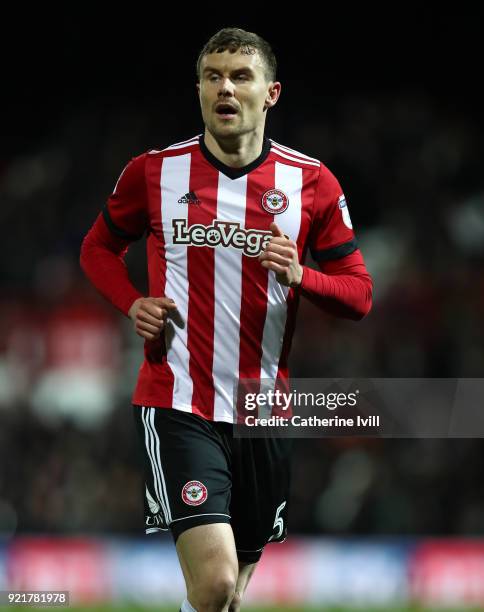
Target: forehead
(245, 57)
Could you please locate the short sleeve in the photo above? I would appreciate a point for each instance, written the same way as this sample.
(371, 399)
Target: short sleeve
(331, 235)
(126, 209)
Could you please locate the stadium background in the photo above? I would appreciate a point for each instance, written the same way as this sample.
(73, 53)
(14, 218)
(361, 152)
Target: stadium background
(392, 104)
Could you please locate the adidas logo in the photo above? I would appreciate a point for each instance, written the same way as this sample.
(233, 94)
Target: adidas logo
(189, 198)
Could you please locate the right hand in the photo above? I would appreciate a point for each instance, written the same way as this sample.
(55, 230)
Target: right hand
(148, 315)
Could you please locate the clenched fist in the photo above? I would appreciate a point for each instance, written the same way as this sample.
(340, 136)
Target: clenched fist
(148, 315)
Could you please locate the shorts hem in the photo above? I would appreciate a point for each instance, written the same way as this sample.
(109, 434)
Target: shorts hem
(178, 526)
(155, 530)
(190, 516)
(249, 556)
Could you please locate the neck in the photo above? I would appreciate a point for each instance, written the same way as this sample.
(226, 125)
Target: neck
(235, 152)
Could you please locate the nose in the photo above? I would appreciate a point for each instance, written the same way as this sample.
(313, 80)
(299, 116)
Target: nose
(226, 87)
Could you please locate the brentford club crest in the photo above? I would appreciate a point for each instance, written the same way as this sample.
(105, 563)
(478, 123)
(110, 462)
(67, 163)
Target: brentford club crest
(275, 201)
(194, 493)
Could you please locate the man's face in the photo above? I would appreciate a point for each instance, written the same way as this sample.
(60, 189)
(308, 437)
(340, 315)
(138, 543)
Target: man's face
(234, 92)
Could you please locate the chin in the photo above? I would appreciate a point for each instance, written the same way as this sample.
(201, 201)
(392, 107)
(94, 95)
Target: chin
(225, 130)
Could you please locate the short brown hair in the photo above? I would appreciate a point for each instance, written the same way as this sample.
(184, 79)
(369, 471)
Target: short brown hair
(233, 39)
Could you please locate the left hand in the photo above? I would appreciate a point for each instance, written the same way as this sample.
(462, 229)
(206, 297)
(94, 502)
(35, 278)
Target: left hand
(281, 256)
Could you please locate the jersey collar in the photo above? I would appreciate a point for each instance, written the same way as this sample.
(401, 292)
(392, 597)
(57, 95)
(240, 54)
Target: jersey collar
(234, 173)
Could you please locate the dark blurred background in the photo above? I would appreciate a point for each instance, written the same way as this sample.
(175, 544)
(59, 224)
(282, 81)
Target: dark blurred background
(391, 102)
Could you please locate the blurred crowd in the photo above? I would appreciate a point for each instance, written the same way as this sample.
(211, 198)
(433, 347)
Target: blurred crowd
(410, 166)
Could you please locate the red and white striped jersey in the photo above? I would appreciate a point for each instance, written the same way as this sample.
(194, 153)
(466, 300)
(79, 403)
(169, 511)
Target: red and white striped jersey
(206, 223)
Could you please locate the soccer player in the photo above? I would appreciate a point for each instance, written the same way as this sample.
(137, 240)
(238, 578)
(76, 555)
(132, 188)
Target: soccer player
(229, 215)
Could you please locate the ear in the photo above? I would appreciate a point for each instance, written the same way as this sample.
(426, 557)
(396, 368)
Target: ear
(198, 88)
(273, 93)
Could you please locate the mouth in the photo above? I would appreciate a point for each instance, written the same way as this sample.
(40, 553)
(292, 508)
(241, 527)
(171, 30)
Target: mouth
(226, 111)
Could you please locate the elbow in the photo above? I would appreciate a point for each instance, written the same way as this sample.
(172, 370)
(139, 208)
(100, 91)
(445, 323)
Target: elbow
(98, 244)
(364, 307)
(361, 313)
(90, 255)
(84, 256)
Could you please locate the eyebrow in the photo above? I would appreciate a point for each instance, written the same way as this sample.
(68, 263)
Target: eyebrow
(235, 71)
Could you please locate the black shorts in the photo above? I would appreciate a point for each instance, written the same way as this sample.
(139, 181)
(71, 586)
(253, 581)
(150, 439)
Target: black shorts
(197, 473)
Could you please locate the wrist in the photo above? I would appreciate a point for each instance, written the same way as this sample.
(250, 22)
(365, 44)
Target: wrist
(299, 278)
(133, 309)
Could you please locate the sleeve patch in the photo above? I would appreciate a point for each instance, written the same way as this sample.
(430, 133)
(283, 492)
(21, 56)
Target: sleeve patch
(344, 211)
